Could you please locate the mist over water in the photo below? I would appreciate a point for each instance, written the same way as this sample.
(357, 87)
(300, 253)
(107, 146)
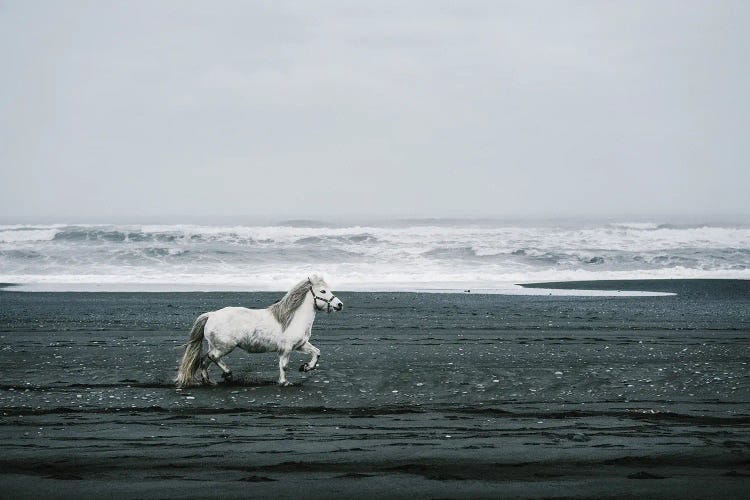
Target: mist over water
(401, 255)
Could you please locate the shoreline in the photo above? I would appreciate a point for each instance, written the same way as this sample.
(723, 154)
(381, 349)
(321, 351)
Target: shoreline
(707, 287)
(587, 288)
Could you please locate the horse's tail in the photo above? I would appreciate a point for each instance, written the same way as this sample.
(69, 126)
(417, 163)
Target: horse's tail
(191, 360)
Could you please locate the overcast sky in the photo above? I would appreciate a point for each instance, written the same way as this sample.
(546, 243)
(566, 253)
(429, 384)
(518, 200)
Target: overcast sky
(423, 108)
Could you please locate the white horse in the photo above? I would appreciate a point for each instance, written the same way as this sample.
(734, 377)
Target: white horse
(283, 327)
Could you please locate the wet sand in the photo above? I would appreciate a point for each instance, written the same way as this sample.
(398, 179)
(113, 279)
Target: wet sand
(420, 395)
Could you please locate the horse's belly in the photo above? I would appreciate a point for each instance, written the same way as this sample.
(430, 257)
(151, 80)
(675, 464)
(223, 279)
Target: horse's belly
(254, 347)
(257, 342)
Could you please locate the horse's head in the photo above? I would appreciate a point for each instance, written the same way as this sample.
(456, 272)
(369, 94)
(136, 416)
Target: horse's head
(323, 296)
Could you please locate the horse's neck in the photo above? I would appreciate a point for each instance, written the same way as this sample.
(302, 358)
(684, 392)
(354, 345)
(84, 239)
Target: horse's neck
(304, 315)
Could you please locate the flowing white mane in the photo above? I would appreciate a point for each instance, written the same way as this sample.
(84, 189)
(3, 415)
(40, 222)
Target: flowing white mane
(284, 309)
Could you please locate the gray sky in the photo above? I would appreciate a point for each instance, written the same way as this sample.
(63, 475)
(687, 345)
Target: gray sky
(420, 108)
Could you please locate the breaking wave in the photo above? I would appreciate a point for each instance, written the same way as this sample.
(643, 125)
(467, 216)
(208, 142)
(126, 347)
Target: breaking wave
(395, 256)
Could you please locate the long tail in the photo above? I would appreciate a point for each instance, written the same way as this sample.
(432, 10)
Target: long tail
(191, 360)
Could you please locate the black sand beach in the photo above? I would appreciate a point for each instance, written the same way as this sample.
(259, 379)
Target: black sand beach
(417, 395)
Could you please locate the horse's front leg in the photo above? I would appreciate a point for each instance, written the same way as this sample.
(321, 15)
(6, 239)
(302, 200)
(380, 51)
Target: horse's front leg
(308, 348)
(283, 361)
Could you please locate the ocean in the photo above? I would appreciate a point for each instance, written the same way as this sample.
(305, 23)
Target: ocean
(385, 256)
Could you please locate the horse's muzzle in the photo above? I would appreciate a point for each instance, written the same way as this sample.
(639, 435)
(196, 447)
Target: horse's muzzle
(338, 306)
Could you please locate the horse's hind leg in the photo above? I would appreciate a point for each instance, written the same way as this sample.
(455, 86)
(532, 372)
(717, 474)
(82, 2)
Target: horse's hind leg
(215, 355)
(205, 362)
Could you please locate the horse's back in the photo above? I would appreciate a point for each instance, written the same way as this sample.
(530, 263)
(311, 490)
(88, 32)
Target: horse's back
(229, 316)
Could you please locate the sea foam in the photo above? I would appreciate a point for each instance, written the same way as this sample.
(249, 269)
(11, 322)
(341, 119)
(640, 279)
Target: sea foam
(368, 256)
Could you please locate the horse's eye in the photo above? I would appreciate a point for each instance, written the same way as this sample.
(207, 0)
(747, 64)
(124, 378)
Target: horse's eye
(322, 291)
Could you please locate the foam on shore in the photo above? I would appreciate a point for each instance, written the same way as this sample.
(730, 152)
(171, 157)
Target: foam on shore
(500, 289)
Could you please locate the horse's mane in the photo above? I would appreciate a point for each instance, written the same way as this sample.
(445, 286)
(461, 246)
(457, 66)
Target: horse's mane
(284, 309)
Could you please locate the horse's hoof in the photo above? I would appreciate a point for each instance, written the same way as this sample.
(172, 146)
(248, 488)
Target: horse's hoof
(285, 383)
(304, 368)
(227, 376)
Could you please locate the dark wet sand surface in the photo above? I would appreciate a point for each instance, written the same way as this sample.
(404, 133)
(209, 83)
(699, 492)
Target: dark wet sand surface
(417, 395)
